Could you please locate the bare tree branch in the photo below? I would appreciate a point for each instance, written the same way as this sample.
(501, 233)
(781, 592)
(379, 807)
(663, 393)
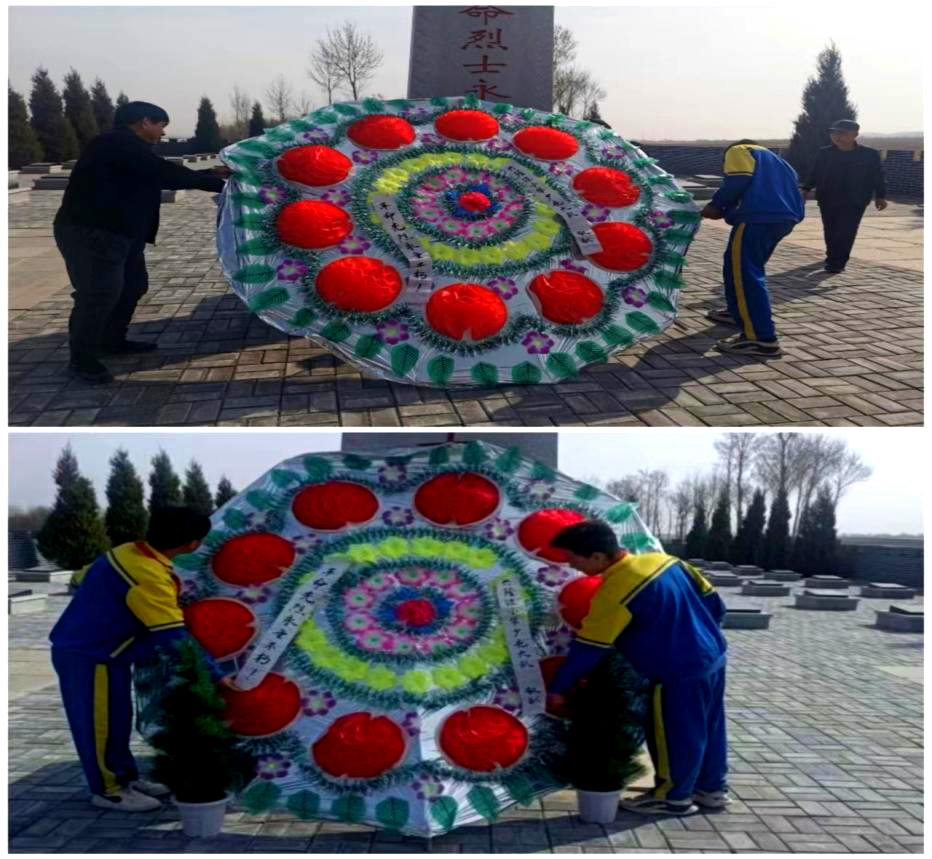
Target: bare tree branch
(355, 57)
(279, 98)
(322, 69)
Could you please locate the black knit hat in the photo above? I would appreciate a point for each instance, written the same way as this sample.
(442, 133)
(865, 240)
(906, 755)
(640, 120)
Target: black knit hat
(844, 125)
(134, 111)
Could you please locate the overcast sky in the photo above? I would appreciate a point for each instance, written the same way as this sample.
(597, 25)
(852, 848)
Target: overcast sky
(890, 502)
(671, 72)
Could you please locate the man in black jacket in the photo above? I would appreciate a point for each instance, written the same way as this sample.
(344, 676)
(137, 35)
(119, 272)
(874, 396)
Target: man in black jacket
(109, 212)
(845, 177)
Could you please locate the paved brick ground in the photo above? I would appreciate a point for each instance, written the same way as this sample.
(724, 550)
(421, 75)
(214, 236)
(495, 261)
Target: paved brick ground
(853, 348)
(825, 728)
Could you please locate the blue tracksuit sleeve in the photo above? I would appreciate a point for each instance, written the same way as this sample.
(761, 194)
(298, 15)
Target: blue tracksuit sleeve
(713, 602)
(730, 192)
(167, 640)
(580, 662)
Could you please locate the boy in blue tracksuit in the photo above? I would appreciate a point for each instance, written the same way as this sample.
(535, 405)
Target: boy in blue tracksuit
(664, 617)
(760, 198)
(125, 606)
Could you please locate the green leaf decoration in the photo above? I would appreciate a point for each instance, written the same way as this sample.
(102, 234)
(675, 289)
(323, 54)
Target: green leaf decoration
(668, 257)
(615, 335)
(373, 105)
(250, 201)
(336, 331)
(250, 222)
(439, 456)
(188, 562)
(392, 813)
(639, 542)
(255, 145)
(684, 216)
(525, 373)
(509, 461)
(259, 247)
(304, 804)
(443, 810)
(346, 110)
(398, 103)
(590, 351)
(439, 101)
(520, 788)
(659, 301)
(298, 125)
(471, 100)
(260, 500)
(528, 114)
(250, 162)
(474, 454)
(483, 801)
(280, 134)
(367, 346)
(561, 365)
(261, 796)
(440, 368)
(325, 116)
(255, 273)
(540, 471)
(318, 469)
(282, 477)
(502, 107)
(619, 513)
(679, 236)
(679, 196)
(404, 357)
(234, 519)
(349, 808)
(304, 317)
(484, 374)
(667, 280)
(268, 299)
(249, 177)
(641, 322)
(662, 179)
(356, 462)
(586, 493)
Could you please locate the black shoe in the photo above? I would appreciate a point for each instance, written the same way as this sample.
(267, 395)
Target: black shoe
(834, 270)
(721, 316)
(738, 344)
(90, 370)
(130, 346)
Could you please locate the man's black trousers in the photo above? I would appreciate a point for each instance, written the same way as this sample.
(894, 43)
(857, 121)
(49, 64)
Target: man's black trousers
(840, 223)
(108, 275)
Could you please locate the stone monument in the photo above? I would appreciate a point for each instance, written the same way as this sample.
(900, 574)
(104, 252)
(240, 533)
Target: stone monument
(497, 53)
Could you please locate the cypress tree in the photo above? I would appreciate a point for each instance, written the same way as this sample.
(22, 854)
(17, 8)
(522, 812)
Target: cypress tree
(24, 145)
(825, 99)
(48, 120)
(73, 535)
(718, 546)
(816, 549)
(164, 485)
(126, 504)
(121, 99)
(196, 491)
(102, 106)
(698, 534)
(776, 551)
(78, 109)
(256, 121)
(207, 131)
(748, 547)
(225, 492)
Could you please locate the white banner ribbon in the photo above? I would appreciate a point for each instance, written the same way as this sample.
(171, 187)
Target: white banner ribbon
(272, 644)
(521, 646)
(421, 269)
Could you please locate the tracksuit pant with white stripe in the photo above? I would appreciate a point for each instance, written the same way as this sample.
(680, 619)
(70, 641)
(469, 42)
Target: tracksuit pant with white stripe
(99, 705)
(686, 736)
(749, 248)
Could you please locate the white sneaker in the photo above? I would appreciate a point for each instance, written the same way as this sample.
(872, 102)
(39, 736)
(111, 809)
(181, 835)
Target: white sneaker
(126, 799)
(150, 788)
(712, 798)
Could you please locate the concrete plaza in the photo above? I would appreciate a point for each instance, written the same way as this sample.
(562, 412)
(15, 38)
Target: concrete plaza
(825, 730)
(852, 343)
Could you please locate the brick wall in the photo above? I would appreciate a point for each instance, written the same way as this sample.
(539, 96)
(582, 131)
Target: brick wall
(903, 167)
(900, 564)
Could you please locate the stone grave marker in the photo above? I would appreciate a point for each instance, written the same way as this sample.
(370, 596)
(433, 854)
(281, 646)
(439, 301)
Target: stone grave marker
(901, 619)
(887, 590)
(763, 588)
(746, 618)
(784, 576)
(825, 600)
(827, 582)
(41, 167)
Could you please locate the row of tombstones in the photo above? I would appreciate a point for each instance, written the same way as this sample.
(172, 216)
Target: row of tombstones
(824, 592)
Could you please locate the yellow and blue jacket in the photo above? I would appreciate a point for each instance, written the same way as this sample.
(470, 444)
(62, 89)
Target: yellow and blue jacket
(125, 604)
(660, 612)
(759, 188)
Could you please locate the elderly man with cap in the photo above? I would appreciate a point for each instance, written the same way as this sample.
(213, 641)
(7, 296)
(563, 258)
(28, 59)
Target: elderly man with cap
(109, 212)
(845, 176)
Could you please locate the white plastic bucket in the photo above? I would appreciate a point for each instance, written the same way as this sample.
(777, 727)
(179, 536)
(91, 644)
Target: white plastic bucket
(202, 819)
(598, 806)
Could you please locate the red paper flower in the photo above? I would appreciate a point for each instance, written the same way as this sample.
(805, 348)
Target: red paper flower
(483, 739)
(359, 745)
(457, 499)
(566, 297)
(334, 505)
(359, 283)
(314, 165)
(253, 559)
(268, 709)
(381, 132)
(466, 311)
(606, 186)
(576, 597)
(313, 224)
(416, 613)
(223, 627)
(467, 125)
(624, 246)
(545, 143)
(537, 530)
(474, 201)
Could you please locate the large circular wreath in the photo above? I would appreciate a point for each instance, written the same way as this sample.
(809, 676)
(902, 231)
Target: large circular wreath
(454, 241)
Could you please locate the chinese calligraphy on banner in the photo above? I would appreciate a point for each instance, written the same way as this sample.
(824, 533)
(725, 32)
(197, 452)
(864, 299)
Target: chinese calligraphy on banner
(497, 53)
